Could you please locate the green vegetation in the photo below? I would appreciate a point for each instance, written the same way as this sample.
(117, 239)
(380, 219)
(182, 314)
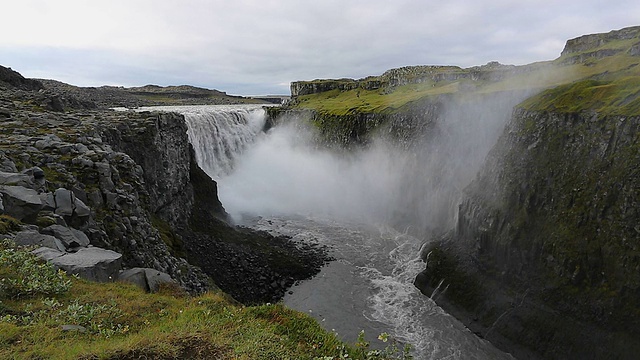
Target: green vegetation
(617, 97)
(24, 275)
(336, 102)
(169, 237)
(389, 92)
(120, 321)
(8, 224)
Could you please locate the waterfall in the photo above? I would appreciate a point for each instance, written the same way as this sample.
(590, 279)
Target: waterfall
(220, 133)
(282, 182)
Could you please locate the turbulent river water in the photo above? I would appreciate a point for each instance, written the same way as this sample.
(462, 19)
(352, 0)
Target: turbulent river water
(284, 183)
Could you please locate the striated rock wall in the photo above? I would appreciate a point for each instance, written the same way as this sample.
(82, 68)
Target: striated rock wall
(403, 126)
(69, 155)
(593, 41)
(597, 46)
(545, 253)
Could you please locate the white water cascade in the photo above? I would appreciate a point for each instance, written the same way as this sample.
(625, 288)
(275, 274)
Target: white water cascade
(281, 182)
(219, 134)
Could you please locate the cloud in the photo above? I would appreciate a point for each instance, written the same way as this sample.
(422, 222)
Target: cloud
(251, 47)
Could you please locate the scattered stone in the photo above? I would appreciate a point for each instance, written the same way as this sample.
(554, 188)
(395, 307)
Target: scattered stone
(15, 179)
(76, 328)
(64, 201)
(66, 204)
(48, 201)
(48, 141)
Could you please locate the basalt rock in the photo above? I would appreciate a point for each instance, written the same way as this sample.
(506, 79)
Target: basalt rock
(82, 185)
(14, 79)
(35, 238)
(147, 279)
(20, 202)
(89, 263)
(545, 253)
(128, 183)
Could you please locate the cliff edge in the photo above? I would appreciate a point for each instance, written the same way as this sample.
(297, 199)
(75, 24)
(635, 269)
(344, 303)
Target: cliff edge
(544, 260)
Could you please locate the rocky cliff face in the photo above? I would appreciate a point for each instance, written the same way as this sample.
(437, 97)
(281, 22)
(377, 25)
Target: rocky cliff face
(132, 186)
(546, 248)
(390, 79)
(72, 155)
(356, 129)
(594, 41)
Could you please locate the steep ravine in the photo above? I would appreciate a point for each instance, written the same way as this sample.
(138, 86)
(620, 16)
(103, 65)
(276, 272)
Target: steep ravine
(545, 253)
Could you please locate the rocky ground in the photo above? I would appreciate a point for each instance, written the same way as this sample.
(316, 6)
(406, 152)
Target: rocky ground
(149, 95)
(99, 191)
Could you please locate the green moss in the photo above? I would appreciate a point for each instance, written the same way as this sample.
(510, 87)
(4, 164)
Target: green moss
(8, 224)
(169, 237)
(54, 176)
(618, 97)
(44, 221)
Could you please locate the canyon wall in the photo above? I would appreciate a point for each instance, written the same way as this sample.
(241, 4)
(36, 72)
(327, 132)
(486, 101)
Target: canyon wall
(545, 252)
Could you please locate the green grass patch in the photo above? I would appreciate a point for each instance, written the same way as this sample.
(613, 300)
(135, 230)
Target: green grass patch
(336, 102)
(617, 97)
(120, 321)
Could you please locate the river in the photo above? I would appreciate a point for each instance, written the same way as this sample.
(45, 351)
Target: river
(283, 183)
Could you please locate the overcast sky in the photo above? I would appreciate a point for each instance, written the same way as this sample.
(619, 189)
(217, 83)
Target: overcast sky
(252, 47)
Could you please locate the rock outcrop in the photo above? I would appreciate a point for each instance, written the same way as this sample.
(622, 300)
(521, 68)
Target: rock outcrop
(597, 46)
(14, 79)
(546, 252)
(147, 279)
(102, 190)
(424, 74)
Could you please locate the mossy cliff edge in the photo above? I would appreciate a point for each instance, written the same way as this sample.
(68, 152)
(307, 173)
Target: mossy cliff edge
(347, 110)
(545, 253)
(544, 259)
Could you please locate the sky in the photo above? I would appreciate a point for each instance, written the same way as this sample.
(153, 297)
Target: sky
(257, 47)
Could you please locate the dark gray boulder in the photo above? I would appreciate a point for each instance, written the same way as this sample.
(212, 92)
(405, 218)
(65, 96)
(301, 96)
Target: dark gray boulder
(147, 279)
(16, 179)
(91, 263)
(47, 141)
(20, 202)
(66, 204)
(69, 237)
(33, 237)
(48, 201)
